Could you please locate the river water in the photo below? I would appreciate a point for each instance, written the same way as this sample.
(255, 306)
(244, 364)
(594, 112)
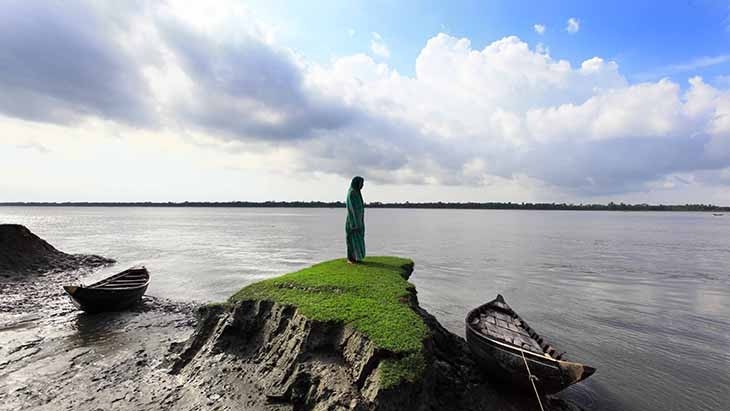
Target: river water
(643, 297)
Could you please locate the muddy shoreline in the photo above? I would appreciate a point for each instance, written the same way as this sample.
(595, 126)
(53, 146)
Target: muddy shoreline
(165, 355)
(24, 254)
(54, 357)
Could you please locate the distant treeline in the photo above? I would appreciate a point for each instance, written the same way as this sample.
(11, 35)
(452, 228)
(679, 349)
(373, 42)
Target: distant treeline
(556, 206)
(338, 204)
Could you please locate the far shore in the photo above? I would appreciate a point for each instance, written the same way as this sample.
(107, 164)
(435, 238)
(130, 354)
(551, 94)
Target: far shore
(711, 208)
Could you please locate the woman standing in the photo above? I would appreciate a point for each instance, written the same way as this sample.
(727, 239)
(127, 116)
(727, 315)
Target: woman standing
(355, 224)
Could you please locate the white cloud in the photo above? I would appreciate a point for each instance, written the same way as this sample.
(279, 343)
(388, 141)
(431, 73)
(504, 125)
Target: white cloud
(378, 46)
(573, 25)
(495, 109)
(503, 115)
(644, 110)
(34, 146)
(689, 66)
(539, 28)
(698, 63)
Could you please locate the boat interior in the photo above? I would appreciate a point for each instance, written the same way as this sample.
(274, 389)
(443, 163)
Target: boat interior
(132, 278)
(497, 321)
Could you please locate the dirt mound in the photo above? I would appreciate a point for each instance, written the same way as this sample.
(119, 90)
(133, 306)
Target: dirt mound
(22, 252)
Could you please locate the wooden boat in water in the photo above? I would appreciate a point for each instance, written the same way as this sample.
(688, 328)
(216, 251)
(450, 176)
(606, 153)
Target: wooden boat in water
(718, 214)
(505, 345)
(113, 293)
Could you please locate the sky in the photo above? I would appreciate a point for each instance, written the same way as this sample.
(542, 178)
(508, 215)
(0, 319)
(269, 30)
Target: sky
(551, 101)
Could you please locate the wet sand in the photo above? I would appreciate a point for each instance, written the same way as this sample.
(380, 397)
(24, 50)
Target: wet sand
(253, 354)
(55, 357)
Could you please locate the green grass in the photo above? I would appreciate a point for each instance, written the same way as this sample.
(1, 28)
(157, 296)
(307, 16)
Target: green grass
(371, 297)
(218, 304)
(409, 368)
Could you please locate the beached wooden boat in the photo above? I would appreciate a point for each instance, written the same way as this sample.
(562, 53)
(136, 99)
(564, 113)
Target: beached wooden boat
(505, 345)
(113, 293)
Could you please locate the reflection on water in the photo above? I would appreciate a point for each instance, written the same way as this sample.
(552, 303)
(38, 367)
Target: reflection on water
(644, 297)
(110, 329)
(96, 329)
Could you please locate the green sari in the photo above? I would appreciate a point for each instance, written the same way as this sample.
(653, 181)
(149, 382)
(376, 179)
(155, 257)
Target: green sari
(355, 224)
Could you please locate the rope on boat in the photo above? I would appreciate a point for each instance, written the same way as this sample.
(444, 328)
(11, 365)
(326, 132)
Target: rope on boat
(532, 379)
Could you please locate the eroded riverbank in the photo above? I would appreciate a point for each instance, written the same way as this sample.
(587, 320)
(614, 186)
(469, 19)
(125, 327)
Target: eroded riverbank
(153, 357)
(333, 336)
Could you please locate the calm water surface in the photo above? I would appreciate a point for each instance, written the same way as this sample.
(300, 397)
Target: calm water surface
(644, 297)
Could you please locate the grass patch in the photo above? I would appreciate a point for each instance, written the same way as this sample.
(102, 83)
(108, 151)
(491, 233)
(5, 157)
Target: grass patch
(217, 304)
(371, 297)
(409, 368)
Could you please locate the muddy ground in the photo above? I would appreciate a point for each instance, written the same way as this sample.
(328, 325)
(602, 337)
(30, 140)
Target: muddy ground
(254, 356)
(23, 253)
(54, 357)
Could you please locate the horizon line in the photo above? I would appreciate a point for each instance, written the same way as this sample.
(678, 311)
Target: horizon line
(378, 204)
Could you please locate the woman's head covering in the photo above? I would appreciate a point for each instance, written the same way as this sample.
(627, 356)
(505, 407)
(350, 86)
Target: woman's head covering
(357, 183)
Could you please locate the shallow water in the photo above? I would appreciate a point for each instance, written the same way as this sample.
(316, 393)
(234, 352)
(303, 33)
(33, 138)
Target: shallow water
(644, 297)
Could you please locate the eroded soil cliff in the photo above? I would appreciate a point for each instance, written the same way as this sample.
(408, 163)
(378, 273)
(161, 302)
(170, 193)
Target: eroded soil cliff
(300, 364)
(253, 354)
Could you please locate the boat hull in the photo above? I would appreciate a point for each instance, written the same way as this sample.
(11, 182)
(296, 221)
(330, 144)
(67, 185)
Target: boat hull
(506, 362)
(94, 301)
(115, 293)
